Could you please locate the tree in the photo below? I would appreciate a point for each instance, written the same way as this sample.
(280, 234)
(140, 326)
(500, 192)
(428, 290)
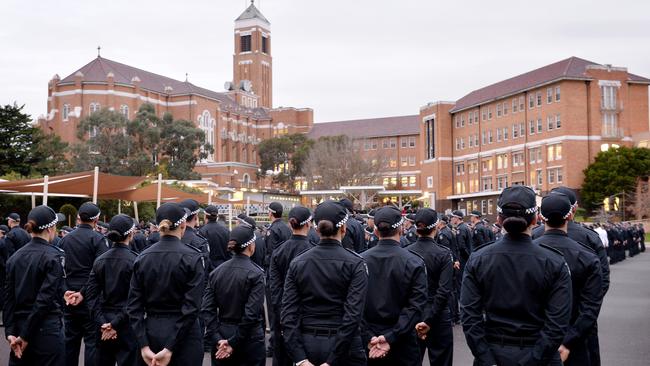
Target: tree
(146, 145)
(285, 157)
(614, 172)
(49, 154)
(17, 140)
(334, 162)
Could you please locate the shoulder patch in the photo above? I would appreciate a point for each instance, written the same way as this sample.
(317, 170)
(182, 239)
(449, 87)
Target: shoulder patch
(551, 249)
(485, 245)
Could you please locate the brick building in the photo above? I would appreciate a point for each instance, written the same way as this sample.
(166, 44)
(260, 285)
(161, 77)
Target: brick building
(541, 129)
(234, 120)
(392, 141)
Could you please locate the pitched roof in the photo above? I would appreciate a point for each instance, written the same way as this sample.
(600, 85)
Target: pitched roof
(98, 69)
(570, 68)
(365, 128)
(252, 12)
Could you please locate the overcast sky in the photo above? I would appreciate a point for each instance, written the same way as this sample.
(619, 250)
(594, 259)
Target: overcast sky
(346, 59)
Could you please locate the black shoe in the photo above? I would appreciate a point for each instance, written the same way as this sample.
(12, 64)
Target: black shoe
(269, 352)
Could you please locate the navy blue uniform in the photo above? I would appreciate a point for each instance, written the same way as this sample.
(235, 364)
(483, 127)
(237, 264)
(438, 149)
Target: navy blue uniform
(166, 286)
(217, 236)
(232, 309)
(395, 302)
(322, 305)
(33, 306)
(440, 338)
(82, 246)
(153, 238)
(193, 238)
(586, 282)
(280, 261)
(480, 235)
(16, 238)
(464, 242)
(516, 303)
(354, 237)
(107, 293)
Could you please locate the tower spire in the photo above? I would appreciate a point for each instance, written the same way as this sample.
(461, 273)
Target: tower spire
(99, 48)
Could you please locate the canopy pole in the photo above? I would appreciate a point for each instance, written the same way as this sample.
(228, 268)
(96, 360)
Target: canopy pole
(230, 216)
(95, 184)
(33, 200)
(46, 182)
(209, 197)
(248, 205)
(135, 211)
(159, 195)
(119, 207)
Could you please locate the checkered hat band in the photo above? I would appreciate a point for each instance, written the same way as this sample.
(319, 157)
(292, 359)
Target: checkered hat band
(49, 225)
(343, 221)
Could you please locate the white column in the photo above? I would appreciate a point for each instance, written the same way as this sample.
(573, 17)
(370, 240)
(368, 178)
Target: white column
(46, 182)
(95, 185)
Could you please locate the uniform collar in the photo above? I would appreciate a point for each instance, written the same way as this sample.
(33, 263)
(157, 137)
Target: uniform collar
(85, 226)
(40, 241)
(388, 242)
(426, 239)
(241, 256)
(519, 239)
(299, 237)
(120, 245)
(555, 232)
(329, 242)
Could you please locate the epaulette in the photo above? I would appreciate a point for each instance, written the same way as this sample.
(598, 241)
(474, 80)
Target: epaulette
(552, 249)
(257, 266)
(200, 235)
(585, 246)
(58, 250)
(443, 247)
(349, 250)
(484, 245)
(193, 248)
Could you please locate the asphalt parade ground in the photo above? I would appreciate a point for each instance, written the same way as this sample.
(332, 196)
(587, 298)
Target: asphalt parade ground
(624, 322)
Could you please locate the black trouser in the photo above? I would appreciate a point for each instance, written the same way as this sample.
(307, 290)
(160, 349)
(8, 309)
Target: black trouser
(455, 295)
(439, 342)
(188, 351)
(579, 354)
(280, 354)
(508, 355)
(250, 352)
(123, 350)
(45, 348)
(271, 316)
(79, 325)
(593, 346)
(403, 352)
(318, 348)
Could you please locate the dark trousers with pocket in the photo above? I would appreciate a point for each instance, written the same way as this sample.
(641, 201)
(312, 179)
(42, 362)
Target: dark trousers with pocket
(403, 352)
(46, 348)
(508, 355)
(188, 351)
(123, 350)
(318, 348)
(79, 325)
(250, 352)
(439, 342)
(280, 354)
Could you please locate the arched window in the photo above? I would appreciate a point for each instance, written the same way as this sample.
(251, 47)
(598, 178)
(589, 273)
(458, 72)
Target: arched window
(66, 111)
(207, 124)
(124, 110)
(95, 107)
(246, 180)
(244, 155)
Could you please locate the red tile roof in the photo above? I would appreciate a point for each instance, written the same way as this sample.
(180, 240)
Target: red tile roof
(366, 128)
(570, 68)
(98, 69)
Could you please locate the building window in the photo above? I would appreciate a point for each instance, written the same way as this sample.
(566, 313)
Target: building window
(514, 105)
(265, 44)
(412, 142)
(505, 108)
(385, 143)
(502, 182)
(456, 121)
(549, 95)
(124, 110)
(476, 140)
(412, 181)
(404, 142)
(550, 123)
(522, 129)
(490, 207)
(404, 181)
(462, 120)
(489, 112)
(499, 110)
(551, 176)
(94, 107)
(486, 184)
(475, 116)
(66, 112)
(393, 143)
(517, 159)
(531, 127)
(429, 138)
(412, 160)
(608, 97)
(460, 169)
(539, 177)
(429, 182)
(558, 122)
(483, 140)
(392, 162)
(521, 103)
(483, 207)
(373, 144)
(207, 125)
(531, 101)
(539, 125)
(404, 161)
(559, 175)
(557, 93)
(550, 152)
(483, 115)
(366, 145)
(515, 131)
(489, 136)
(539, 98)
(505, 134)
(462, 143)
(498, 135)
(245, 43)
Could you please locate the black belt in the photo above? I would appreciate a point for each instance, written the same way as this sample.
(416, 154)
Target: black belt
(164, 315)
(230, 321)
(319, 332)
(511, 341)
